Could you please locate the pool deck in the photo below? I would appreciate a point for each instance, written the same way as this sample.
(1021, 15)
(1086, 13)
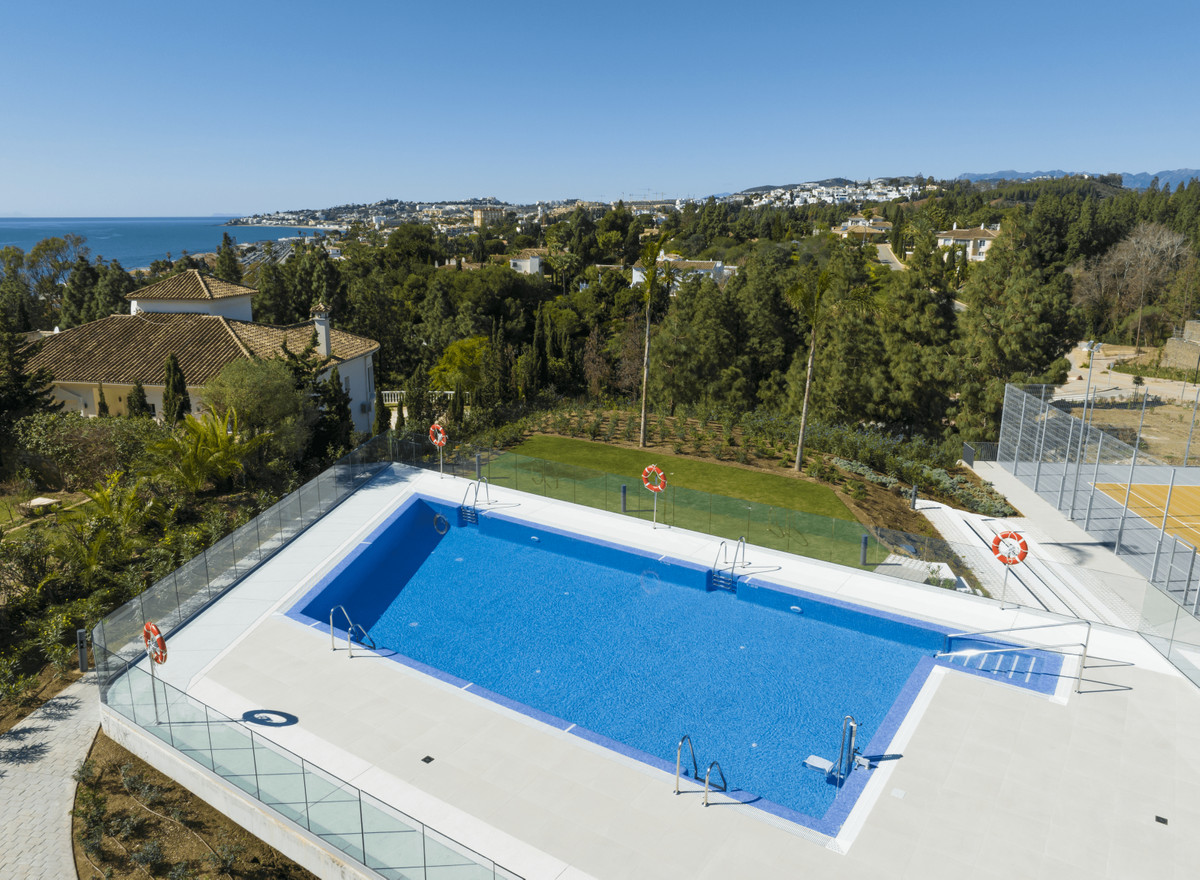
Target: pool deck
(989, 781)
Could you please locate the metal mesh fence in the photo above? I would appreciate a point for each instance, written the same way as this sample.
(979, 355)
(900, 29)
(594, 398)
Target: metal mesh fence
(1118, 493)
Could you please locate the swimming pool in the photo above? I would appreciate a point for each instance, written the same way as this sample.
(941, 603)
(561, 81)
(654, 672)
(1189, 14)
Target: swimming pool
(631, 650)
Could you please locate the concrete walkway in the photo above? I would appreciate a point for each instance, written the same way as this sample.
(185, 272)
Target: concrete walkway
(37, 760)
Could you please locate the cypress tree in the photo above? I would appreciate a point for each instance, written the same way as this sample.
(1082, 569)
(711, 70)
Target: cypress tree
(101, 403)
(136, 406)
(176, 400)
(383, 416)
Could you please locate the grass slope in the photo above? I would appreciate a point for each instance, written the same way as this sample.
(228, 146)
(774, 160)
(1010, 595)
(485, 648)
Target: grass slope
(688, 473)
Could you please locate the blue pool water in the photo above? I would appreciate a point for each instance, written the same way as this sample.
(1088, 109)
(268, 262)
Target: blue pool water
(634, 651)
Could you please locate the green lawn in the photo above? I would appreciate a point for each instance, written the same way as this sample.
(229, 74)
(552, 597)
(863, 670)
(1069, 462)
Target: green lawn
(729, 502)
(777, 490)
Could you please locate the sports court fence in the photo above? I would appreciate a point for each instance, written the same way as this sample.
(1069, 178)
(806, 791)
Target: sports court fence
(1120, 495)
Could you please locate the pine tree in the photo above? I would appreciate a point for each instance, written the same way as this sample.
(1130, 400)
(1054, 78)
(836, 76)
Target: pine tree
(176, 401)
(21, 393)
(135, 405)
(229, 268)
(77, 295)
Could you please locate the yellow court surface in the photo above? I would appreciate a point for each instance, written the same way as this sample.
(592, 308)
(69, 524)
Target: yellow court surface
(1148, 501)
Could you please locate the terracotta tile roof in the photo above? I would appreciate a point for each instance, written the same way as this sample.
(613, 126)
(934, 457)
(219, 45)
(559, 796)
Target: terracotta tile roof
(265, 340)
(191, 285)
(122, 349)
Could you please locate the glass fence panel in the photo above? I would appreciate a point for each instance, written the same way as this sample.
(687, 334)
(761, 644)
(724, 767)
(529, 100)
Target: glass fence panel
(310, 503)
(232, 752)
(280, 778)
(160, 604)
(333, 811)
(189, 727)
(245, 547)
(191, 584)
(123, 631)
(291, 520)
(394, 842)
(446, 859)
(222, 567)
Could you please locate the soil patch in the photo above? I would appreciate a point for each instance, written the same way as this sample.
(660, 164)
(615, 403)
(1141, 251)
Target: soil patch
(132, 821)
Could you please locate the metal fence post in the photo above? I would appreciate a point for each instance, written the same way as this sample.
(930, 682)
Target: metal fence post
(1162, 532)
(1087, 521)
(624, 490)
(862, 554)
(1062, 484)
(1040, 446)
(1132, 467)
(1020, 433)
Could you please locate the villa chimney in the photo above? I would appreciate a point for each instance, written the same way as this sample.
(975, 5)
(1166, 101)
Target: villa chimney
(320, 315)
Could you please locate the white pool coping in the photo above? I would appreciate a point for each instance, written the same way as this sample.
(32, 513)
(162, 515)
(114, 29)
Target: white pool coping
(496, 771)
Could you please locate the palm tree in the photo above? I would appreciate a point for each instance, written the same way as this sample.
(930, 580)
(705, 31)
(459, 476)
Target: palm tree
(817, 297)
(204, 450)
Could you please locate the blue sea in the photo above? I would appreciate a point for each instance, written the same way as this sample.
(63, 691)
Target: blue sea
(136, 242)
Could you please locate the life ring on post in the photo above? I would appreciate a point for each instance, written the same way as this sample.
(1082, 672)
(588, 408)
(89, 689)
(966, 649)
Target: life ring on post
(1010, 547)
(156, 645)
(437, 435)
(654, 479)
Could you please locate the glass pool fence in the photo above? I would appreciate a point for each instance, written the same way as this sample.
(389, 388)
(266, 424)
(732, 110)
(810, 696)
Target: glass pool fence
(210, 738)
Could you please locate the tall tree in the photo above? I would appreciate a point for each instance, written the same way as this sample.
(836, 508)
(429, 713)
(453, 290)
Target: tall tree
(650, 267)
(176, 401)
(21, 393)
(819, 295)
(228, 268)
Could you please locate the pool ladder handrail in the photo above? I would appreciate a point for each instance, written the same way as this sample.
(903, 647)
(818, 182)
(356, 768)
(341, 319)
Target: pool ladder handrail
(679, 753)
(475, 484)
(846, 760)
(723, 554)
(1087, 638)
(351, 626)
(708, 774)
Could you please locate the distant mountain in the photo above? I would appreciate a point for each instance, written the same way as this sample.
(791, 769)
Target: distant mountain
(833, 181)
(1141, 180)
(1013, 175)
(1165, 178)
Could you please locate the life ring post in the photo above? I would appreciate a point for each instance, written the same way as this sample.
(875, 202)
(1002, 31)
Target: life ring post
(438, 437)
(655, 480)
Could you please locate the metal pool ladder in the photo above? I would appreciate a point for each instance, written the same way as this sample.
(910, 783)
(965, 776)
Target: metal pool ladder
(721, 576)
(351, 626)
(471, 514)
(709, 782)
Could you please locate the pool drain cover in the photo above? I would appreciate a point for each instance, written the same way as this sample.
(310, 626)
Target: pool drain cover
(428, 759)
(1160, 820)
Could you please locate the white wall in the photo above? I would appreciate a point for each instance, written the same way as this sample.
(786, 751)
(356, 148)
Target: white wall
(235, 308)
(361, 375)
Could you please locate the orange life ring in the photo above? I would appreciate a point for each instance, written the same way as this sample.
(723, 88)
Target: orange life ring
(156, 645)
(660, 479)
(437, 435)
(1011, 539)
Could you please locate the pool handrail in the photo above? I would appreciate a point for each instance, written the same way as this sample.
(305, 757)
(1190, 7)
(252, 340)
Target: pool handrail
(351, 626)
(723, 554)
(848, 723)
(678, 753)
(708, 774)
(475, 484)
(992, 632)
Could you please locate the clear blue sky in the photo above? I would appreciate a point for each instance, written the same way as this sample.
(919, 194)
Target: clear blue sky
(164, 108)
